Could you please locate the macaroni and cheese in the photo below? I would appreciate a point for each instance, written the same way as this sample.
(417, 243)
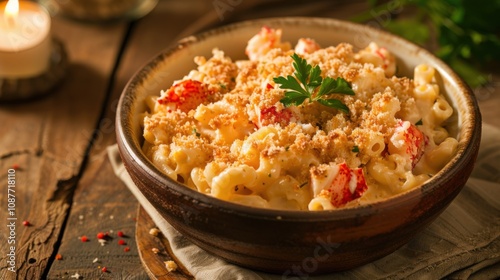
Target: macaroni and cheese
(223, 131)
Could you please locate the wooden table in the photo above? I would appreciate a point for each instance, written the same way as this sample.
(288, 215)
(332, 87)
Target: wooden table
(65, 186)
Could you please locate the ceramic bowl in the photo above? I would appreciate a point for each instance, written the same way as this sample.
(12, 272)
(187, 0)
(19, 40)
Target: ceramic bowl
(277, 241)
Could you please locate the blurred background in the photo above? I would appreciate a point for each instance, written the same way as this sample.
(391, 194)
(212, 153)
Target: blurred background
(464, 33)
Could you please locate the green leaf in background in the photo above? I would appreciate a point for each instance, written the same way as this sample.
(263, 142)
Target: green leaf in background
(410, 29)
(473, 77)
(372, 3)
(467, 31)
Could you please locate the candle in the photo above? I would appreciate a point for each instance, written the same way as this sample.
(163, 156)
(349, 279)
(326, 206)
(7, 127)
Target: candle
(25, 42)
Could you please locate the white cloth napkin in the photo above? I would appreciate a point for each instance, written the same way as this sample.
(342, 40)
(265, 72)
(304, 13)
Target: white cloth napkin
(463, 243)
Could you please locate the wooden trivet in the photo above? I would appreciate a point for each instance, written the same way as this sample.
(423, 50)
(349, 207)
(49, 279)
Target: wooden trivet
(154, 263)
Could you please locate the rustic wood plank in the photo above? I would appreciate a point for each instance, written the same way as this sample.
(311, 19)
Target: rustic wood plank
(101, 204)
(149, 35)
(100, 195)
(48, 138)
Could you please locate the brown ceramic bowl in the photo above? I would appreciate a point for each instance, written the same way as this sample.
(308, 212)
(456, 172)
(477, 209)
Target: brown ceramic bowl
(273, 240)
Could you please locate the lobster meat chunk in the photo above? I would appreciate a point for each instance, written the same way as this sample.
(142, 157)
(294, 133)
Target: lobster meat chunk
(306, 45)
(409, 142)
(271, 115)
(339, 183)
(185, 95)
(264, 41)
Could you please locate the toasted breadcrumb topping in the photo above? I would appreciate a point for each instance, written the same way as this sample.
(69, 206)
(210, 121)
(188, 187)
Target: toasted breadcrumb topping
(242, 122)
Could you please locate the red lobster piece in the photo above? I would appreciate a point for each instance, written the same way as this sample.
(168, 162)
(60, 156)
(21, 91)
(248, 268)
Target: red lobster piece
(408, 141)
(185, 95)
(338, 183)
(348, 185)
(270, 115)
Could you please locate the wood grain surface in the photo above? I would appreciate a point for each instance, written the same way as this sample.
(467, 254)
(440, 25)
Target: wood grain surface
(101, 202)
(154, 262)
(47, 139)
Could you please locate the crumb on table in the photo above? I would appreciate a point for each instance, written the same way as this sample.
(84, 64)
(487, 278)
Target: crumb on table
(171, 266)
(154, 231)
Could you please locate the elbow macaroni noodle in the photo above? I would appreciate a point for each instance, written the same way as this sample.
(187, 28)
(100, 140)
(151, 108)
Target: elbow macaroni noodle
(221, 130)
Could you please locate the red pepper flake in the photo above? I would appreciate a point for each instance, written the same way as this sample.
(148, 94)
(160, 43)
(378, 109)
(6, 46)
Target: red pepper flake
(120, 234)
(58, 257)
(126, 249)
(122, 242)
(104, 269)
(84, 238)
(15, 166)
(101, 235)
(26, 223)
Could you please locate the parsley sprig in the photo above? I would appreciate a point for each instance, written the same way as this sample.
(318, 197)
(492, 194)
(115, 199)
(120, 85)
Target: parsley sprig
(307, 83)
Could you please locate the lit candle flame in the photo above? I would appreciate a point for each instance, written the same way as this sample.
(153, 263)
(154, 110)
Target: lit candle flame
(11, 11)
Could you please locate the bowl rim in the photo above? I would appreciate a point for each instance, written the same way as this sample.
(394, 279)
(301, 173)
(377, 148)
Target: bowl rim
(465, 152)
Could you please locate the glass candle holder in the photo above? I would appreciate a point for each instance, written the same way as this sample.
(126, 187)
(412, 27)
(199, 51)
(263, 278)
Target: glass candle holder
(25, 88)
(100, 10)
(32, 62)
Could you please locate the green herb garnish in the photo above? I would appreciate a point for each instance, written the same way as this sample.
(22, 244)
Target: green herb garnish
(355, 149)
(196, 132)
(307, 83)
(419, 122)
